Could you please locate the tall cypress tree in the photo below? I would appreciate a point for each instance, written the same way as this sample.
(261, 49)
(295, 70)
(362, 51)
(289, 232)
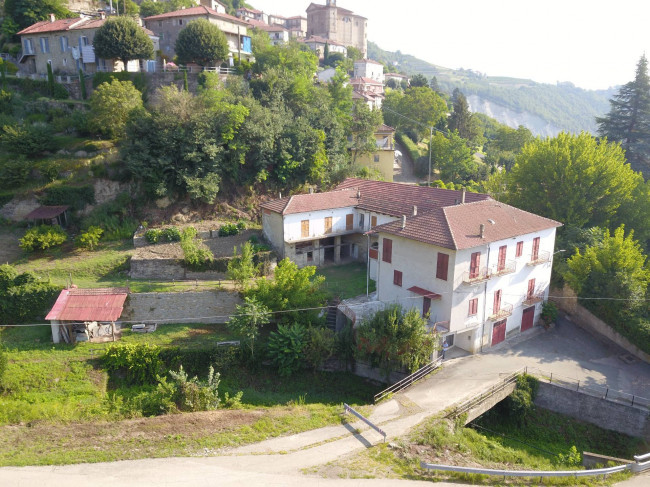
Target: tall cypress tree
(628, 120)
(461, 118)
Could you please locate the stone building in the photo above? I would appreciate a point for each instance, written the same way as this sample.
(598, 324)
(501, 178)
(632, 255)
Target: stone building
(338, 24)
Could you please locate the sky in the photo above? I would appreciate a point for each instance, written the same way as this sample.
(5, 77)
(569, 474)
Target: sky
(593, 44)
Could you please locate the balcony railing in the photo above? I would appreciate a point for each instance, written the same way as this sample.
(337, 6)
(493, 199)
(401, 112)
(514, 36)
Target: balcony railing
(503, 312)
(542, 257)
(482, 274)
(507, 268)
(537, 297)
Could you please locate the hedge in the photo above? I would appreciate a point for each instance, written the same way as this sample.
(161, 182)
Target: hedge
(23, 298)
(77, 197)
(409, 146)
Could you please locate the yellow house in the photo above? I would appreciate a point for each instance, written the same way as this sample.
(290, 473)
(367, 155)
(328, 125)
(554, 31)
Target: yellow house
(383, 158)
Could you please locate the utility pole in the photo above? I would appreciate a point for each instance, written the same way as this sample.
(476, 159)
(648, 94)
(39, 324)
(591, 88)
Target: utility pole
(430, 143)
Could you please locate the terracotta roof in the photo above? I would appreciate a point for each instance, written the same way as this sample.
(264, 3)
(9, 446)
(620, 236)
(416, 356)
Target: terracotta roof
(46, 212)
(257, 23)
(102, 304)
(396, 75)
(199, 10)
(321, 40)
(47, 26)
(362, 80)
(385, 128)
(424, 292)
(297, 17)
(251, 10)
(302, 203)
(367, 61)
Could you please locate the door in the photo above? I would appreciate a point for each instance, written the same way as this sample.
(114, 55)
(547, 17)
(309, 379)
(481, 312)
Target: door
(349, 221)
(499, 332)
(528, 318)
(328, 224)
(502, 258)
(304, 228)
(474, 265)
(535, 253)
(426, 307)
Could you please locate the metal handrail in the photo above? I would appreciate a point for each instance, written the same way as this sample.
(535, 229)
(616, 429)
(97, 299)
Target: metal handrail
(534, 298)
(508, 268)
(483, 274)
(409, 380)
(527, 473)
(542, 257)
(503, 312)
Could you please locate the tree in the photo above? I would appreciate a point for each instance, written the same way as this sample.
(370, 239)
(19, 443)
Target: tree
(242, 268)
(453, 158)
(461, 119)
(201, 42)
(574, 179)
(362, 130)
(615, 268)
(247, 321)
(122, 38)
(27, 12)
(326, 53)
(414, 111)
(433, 84)
(419, 80)
(320, 346)
(111, 105)
(628, 120)
(354, 53)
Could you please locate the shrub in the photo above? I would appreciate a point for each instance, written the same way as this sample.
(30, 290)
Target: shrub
(229, 229)
(320, 346)
(195, 361)
(141, 362)
(14, 173)
(549, 312)
(409, 146)
(572, 458)
(194, 395)
(242, 268)
(42, 238)
(152, 235)
(23, 297)
(196, 255)
(286, 348)
(77, 197)
(171, 234)
(25, 139)
(90, 238)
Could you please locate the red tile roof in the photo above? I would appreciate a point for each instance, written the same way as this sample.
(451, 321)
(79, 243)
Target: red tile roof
(303, 203)
(46, 212)
(199, 10)
(251, 10)
(424, 292)
(47, 26)
(367, 61)
(362, 80)
(321, 40)
(102, 304)
(385, 128)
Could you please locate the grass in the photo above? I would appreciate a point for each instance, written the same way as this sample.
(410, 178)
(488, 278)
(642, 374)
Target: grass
(56, 406)
(346, 281)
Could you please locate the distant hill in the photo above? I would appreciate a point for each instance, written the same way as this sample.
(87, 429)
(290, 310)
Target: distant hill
(544, 108)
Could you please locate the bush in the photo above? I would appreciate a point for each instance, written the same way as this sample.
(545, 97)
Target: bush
(152, 235)
(549, 313)
(170, 234)
(286, 348)
(195, 361)
(320, 346)
(194, 395)
(196, 255)
(114, 218)
(409, 146)
(90, 238)
(141, 362)
(14, 173)
(27, 139)
(77, 197)
(23, 297)
(242, 268)
(228, 229)
(42, 238)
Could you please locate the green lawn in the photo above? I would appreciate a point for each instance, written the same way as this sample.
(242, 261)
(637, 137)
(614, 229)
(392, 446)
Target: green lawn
(346, 281)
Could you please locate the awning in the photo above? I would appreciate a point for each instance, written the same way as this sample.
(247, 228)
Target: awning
(46, 212)
(424, 292)
(100, 304)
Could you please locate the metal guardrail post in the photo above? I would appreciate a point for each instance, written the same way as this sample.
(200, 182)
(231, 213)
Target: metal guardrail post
(348, 409)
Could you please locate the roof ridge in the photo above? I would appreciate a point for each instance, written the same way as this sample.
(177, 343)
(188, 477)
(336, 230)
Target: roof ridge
(286, 207)
(453, 238)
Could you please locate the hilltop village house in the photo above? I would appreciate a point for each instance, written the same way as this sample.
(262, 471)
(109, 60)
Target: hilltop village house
(383, 158)
(477, 269)
(167, 26)
(67, 44)
(338, 24)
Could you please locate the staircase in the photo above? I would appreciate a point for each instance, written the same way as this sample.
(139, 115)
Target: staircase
(330, 319)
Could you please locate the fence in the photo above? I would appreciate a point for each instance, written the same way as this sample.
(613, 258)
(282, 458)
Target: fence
(595, 390)
(409, 381)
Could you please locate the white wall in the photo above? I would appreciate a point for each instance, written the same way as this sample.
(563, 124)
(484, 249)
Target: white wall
(369, 70)
(273, 230)
(292, 223)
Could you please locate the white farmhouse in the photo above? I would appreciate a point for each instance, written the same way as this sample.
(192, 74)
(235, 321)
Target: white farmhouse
(367, 68)
(477, 268)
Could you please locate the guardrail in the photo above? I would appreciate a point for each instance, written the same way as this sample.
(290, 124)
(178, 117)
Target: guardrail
(527, 473)
(642, 463)
(408, 381)
(349, 409)
(596, 390)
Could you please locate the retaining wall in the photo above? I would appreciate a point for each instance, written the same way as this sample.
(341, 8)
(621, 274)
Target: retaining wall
(590, 322)
(629, 420)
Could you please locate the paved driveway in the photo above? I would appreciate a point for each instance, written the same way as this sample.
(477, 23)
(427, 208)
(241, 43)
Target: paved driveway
(566, 350)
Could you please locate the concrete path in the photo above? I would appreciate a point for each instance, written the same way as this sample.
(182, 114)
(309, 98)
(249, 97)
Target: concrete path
(566, 350)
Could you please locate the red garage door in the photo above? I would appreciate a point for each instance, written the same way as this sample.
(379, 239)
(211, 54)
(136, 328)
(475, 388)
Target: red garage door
(499, 332)
(528, 318)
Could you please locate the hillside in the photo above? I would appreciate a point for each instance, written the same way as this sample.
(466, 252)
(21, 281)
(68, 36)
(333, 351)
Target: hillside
(544, 108)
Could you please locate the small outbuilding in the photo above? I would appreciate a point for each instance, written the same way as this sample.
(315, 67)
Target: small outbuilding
(49, 215)
(81, 315)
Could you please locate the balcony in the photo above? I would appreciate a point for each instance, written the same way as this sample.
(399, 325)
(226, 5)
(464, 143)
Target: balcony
(537, 297)
(481, 275)
(502, 313)
(542, 257)
(501, 270)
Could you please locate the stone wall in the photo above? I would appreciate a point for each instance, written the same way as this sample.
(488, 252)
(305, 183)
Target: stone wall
(185, 307)
(168, 269)
(630, 420)
(587, 320)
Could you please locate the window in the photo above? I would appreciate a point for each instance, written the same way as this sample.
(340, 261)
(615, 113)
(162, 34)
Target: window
(497, 301)
(310, 256)
(474, 265)
(520, 249)
(502, 258)
(304, 228)
(83, 41)
(387, 250)
(531, 289)
(64, 43)
(376, 158)
(535, 254)
(328, 224)
(45, 45)
(180, 21)
(426, 307)
(349, 221)
(443, 266)
(362, 217)
(397, 278)
(373, 221)
(160, 23)
(473, 307)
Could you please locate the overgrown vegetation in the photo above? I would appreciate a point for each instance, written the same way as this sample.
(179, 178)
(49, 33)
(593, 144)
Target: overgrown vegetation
(23, 297)
(42, 237)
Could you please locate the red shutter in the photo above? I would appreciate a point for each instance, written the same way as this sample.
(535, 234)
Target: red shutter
(443, 266)
(349, 221)
(473, 306)
(535, 254)
(387, 250)
(373, 221)
(502, 257)
(531, 288)
(520, 249)
(497, 301)
(397, 278)
(474, 265)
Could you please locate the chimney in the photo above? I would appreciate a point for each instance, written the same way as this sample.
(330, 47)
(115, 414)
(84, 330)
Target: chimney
(481, 231)
(102, 15)
(358, 194)
(415, 210)
(403, 222)
(52, 17)
(462, 196)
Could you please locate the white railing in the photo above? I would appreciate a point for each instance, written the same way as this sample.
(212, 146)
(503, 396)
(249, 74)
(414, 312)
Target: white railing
(537, 297)
(503, 312)
(507, 268)
(542, 257)
(480, 275)
(527, 473)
